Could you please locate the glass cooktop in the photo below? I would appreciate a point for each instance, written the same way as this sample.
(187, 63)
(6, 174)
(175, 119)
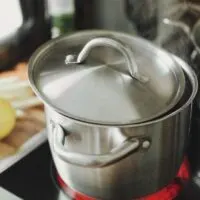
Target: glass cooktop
(33, 178)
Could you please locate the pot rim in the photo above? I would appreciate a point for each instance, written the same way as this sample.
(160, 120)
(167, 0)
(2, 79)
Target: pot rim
(187, 69)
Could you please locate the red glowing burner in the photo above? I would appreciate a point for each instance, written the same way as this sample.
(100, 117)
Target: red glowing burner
(167, 193)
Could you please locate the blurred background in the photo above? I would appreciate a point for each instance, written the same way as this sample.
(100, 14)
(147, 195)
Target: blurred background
(27, 24)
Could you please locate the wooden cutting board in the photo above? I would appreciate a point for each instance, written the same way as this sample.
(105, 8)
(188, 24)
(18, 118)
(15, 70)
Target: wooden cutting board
(32, 123)
(20, 70)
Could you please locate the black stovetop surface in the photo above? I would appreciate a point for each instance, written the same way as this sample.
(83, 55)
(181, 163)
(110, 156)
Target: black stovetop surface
(31, 179)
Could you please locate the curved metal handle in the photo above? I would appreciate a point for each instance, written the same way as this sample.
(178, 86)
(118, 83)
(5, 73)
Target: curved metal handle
(190, 32)
(178, 24)
(101, 41)
(89, 160)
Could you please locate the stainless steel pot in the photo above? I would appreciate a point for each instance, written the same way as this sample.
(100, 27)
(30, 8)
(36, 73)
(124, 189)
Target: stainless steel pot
(118, 161)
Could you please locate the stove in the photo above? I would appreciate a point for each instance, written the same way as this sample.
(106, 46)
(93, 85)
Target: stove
(35, 178)
(170, 192)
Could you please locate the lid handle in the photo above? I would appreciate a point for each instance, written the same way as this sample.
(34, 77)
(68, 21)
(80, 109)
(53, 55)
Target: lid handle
(101, 41)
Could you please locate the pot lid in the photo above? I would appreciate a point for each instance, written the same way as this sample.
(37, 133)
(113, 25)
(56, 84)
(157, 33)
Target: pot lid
(105, 77)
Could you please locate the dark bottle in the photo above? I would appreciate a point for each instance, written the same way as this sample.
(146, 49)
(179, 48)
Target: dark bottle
(84, 14)
(102, 14)
(34, 30)
(143, 15)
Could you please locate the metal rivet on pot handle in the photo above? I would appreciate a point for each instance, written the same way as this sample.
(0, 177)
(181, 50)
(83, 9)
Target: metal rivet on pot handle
(101, 41)
(88, 160)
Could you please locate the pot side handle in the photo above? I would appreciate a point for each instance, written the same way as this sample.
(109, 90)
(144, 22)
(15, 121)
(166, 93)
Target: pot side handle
(94, 161)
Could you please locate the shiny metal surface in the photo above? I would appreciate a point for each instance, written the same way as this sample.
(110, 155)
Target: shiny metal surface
(100, 90)
(139, 173)
(129, 145)
(100, 41)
